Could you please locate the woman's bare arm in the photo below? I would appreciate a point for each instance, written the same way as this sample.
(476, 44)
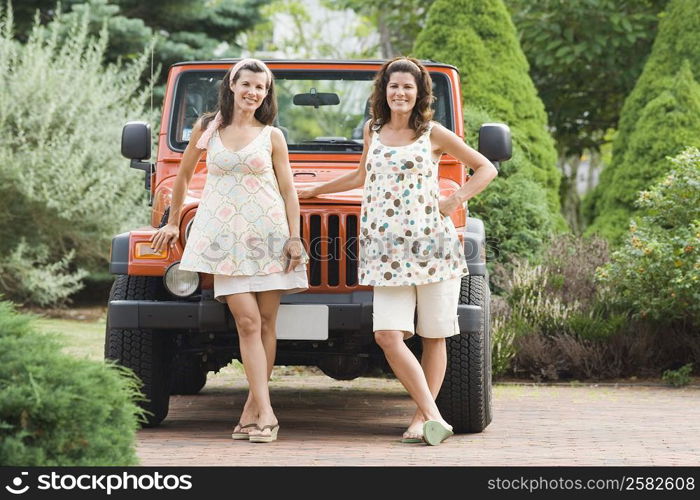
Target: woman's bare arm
(285, 180)
(168, 234)
(484, 171)
(351, 180)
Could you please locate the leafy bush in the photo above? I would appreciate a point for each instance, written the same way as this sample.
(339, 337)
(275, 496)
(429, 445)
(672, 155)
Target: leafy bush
(554, 324)
(656, 273)
(559, 295)
(65, 187)
(660, 117)
(565, 356)
(502, 338)
(569, 315)
(478, 37)
(28, 276)
(680, 377)
(514, 207)
(56, 410)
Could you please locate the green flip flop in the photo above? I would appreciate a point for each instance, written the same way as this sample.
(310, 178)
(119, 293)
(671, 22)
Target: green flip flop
(435, 433)
(412, 440)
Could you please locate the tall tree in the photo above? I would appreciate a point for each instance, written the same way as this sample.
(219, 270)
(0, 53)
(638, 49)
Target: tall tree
(665, 87)
(478, 37)
(398, 21)
(585, 57)
(310, 29)
(184, 29)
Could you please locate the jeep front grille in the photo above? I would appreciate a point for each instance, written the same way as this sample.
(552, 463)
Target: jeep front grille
(332, 242)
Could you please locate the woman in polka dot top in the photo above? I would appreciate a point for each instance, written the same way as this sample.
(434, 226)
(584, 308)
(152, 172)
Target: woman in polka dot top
(409, 249)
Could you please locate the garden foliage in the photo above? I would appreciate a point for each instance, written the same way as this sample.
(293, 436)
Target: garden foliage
(65, 189)
(478, 37)
(660, 118)
(56, 410)
(655, 274)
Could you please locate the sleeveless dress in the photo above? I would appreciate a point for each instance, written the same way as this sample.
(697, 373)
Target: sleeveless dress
(240, 228)
(404, 239)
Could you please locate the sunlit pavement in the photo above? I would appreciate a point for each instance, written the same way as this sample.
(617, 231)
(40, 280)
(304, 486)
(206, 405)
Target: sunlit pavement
(329, 422)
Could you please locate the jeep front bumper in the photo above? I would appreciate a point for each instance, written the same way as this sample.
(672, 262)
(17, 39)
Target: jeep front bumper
(346, 313)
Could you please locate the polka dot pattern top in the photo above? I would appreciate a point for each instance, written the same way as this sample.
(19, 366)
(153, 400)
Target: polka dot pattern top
(404, 239)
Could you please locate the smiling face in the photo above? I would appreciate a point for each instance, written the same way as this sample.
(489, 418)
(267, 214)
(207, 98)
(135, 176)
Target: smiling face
(249, 89)
(401, 92)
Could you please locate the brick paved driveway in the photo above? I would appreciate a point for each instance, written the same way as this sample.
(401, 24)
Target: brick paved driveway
(328, 422)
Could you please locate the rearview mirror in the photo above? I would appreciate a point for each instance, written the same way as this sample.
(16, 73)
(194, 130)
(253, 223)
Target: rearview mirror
(316, 99)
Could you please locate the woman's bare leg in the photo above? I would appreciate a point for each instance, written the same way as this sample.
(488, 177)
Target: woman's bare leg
(268, 305)
(434, 363)
(245, 310)
(409, 372)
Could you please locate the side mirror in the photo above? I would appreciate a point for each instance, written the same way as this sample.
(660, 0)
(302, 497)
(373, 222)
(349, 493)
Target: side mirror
(495, 142)
(136, 144)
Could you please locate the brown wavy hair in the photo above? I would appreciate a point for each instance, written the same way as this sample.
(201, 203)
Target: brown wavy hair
(422, 112)
(267, 111)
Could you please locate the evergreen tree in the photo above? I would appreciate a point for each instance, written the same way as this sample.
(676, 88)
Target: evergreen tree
(667, 124)
(610, 205)
(478, 37)
(184, 29)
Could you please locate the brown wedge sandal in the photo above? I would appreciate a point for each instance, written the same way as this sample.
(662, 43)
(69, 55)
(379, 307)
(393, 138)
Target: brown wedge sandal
(254, 438)
(240, 435)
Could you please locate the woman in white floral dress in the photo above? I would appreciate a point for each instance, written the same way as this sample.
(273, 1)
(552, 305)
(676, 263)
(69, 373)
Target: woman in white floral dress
(409, 248)
(246, 231)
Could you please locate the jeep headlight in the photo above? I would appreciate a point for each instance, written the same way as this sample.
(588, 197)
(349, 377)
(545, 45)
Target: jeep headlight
(180, 283)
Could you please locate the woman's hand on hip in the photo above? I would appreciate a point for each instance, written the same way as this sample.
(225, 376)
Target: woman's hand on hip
(165, 237)
(293, 252)
(448, 205)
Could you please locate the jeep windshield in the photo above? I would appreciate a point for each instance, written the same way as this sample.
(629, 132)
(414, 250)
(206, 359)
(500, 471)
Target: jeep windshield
(319, 111)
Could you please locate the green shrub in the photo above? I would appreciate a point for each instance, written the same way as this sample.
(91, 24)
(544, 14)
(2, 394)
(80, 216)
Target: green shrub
(503, 335)
(659, 118)
(64, 185)
(516, 219)
(555, 323)
(656, 273)
(478, 37)
(680, 377)
(56, 410)
(514, 207)
(559, 295)
(28, 276)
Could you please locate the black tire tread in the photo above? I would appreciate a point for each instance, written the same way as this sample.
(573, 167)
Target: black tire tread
(465, 397)
(144, 351)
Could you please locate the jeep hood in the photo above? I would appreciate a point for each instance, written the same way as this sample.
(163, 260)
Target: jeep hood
(303, 177)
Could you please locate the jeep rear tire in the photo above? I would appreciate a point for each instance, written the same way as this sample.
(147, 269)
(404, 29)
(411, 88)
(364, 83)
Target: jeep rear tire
(187, 375)
(465, 396)
(145, 351)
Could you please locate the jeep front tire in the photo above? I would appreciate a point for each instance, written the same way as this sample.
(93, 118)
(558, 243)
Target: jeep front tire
(147, 352)
(465, 396)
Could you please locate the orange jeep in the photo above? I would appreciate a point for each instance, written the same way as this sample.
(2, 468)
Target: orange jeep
(164, 323)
